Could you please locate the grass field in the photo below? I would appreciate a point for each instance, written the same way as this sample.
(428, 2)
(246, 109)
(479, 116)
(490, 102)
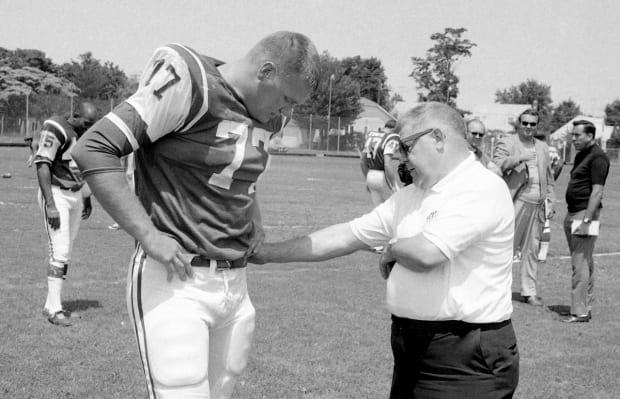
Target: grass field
(322, 329)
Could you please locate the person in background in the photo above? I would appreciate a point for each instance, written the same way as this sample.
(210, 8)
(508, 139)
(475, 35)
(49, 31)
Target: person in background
(379, 163)
(450, 244)
(63, 199)
(584, 195)
(526, 168)
(475, 135)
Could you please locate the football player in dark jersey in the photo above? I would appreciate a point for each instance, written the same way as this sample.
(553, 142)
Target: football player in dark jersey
(62, 198)
(379, 163)
(199, 129)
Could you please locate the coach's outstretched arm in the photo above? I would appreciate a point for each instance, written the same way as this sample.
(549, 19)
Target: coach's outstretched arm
(330, 242)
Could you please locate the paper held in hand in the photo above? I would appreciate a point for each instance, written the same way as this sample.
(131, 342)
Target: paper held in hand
(591, 228)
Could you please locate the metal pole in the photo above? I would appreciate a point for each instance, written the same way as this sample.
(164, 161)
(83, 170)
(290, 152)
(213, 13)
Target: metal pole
(27, 112)
(310, 136)
(338, 145)
(329, 107)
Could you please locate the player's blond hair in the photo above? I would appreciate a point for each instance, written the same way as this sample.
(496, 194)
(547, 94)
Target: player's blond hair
(293, 52)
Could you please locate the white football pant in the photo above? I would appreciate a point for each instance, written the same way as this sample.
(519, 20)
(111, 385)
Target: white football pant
(194, 336)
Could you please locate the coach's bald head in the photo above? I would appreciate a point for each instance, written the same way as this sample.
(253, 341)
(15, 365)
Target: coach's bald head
(434, 138)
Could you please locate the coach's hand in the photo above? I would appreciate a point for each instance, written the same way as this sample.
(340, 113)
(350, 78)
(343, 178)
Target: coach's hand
(258, 256)
(258, 237)
(53, 216)
(168, 252)
(386, 263)
(88, 208)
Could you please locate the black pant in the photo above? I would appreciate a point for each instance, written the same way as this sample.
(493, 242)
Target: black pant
(453, 359)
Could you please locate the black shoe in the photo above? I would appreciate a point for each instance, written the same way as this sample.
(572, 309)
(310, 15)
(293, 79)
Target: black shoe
(533, 300)
(577, 319)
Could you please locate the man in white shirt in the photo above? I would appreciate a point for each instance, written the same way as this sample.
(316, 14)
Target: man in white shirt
(449, 291)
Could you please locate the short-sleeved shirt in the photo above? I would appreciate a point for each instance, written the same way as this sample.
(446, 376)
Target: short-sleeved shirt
(591, 166)
(56, 142)
(198, 152)
(469, 216)
(377, 145)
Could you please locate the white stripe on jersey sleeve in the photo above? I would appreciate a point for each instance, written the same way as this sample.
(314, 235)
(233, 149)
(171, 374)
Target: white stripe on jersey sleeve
(112, 117)
(163, 99)
(205, 101)
(59, 127)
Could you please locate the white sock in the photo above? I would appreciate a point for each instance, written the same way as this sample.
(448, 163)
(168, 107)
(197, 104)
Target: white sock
(53, 303)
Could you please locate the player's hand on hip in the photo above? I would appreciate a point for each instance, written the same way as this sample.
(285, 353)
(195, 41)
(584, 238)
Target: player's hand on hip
(168, 252)
(53, 216)
(88, 208)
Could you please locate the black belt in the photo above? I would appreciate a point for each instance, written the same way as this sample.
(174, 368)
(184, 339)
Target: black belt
(72, 189)
(200, 261)
(446, 325)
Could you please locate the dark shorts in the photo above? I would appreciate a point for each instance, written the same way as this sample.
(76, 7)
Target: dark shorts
(453, 359)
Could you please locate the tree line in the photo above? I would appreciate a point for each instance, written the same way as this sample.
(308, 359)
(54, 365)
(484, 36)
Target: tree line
(29, 74)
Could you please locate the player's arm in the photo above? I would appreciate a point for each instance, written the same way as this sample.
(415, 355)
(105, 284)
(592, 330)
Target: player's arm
(50, 141)
(44, 176)
(391, 161)
(330, 242)
(161, 105)
(391, 172)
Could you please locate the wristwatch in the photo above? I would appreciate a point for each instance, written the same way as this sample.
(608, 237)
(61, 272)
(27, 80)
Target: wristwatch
(586, 220)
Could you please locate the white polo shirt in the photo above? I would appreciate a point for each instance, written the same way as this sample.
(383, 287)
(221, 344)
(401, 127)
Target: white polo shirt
(469, 216)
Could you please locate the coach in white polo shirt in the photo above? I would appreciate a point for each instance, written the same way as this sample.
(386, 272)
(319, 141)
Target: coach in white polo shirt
(451, 238)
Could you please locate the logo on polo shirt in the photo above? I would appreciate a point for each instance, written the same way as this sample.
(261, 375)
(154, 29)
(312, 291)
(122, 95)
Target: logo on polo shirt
(431, 216)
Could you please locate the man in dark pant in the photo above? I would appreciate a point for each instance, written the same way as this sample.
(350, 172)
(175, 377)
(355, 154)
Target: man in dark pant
(449, 283)
(479, 360)
(583, 198)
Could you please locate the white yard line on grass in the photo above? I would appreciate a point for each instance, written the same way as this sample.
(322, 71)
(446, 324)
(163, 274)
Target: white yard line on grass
(601, 254)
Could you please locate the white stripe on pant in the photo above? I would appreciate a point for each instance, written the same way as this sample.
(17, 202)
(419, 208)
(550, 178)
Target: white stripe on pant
(194, 336)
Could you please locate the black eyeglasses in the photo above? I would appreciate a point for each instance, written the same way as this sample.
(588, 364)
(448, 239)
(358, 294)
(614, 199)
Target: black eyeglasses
(405, 149)
(531, 124)
(477, 134)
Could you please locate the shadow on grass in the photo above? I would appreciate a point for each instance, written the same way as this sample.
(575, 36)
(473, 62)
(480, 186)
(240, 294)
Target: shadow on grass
(562, 310)
(80, 305)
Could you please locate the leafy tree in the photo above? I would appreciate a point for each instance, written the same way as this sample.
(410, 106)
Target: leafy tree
(434, 74)
(538, 95)
(614, 139)
(345, 91)
(21, 58)
(564, 112)
(370, 75)
(525, 93)
(96, 80)
(29, 80)
(612, 113)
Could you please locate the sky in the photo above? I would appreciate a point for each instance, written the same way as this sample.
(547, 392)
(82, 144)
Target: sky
(570, 45)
